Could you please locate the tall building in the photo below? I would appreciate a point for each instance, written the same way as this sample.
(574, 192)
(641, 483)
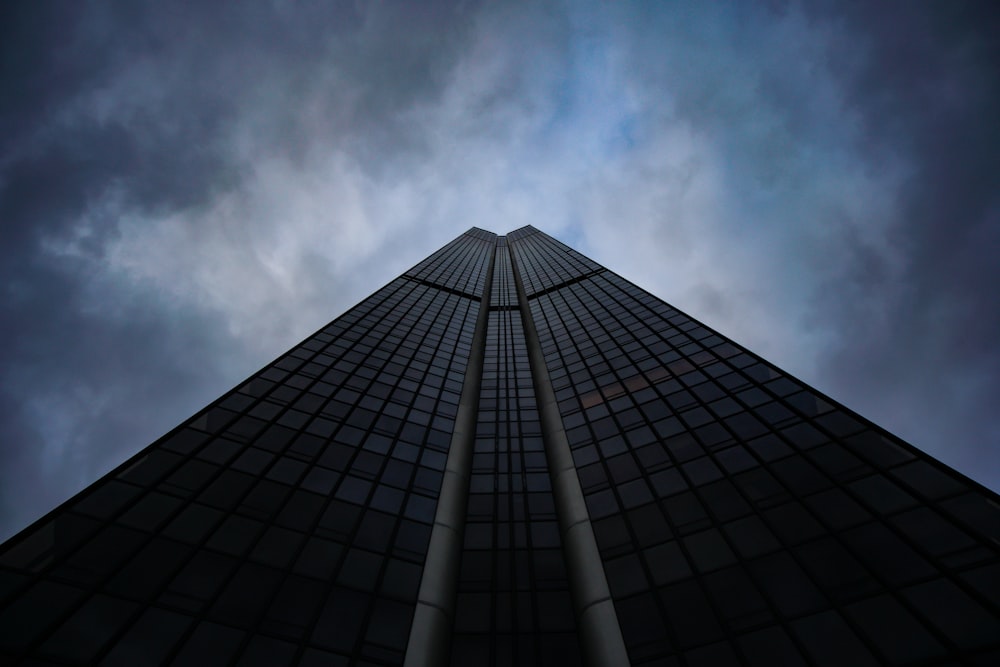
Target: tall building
(510, 455)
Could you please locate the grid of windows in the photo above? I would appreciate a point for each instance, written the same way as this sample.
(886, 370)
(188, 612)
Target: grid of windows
(514, 605)
(460, 266)
(285, 524)
(743, 519)
(546, 264)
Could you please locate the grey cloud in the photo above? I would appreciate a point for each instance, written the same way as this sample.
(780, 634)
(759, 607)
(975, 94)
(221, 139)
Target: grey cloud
(855, 230)
(188, 189)
(67, 414)
(922, 346)
(117, 115)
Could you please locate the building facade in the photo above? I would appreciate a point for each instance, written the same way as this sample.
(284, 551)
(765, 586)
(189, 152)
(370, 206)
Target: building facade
(510, 455)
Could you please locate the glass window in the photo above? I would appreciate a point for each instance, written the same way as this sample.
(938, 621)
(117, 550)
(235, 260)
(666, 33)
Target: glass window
(960, 618)
(267, 652)
(193, 523)
(784, 582)
(625, 576)
(837, 571)
(35, 611)
(769, 646)
(830, 642)
(689, 615)
(246, 596)
(235, 535)
(149, 569)
(211, 644)
(708, 550)
(894, 630)
(277, 546)
(91, 627)
(152, 637)
(737, 598)
(150, 512)
(897, 562)
(667, 563)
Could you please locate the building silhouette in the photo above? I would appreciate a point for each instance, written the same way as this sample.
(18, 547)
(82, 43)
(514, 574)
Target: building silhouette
(510, 455)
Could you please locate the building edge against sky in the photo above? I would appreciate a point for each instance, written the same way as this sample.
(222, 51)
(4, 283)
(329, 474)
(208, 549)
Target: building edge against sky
(526, 458)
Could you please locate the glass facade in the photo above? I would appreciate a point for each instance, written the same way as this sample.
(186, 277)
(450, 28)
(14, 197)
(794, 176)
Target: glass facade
(740, 517)
(513, 604)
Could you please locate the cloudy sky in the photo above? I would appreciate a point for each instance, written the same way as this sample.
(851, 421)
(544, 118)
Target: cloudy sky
(187, 189)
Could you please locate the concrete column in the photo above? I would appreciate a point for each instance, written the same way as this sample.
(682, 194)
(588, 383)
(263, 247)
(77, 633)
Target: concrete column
(430, 635)
(600, 634)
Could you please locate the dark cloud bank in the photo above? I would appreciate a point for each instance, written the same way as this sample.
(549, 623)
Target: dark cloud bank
(187, 189)
(924, 350)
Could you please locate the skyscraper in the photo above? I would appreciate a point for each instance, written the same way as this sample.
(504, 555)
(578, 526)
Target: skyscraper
(511, 455)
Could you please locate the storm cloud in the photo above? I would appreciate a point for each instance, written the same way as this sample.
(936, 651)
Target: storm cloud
(187, 189)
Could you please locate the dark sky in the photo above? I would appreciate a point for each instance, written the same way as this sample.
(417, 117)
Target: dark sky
(189, 188)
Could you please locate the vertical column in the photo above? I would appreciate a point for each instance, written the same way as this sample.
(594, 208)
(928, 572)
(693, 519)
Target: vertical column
(430, 634)
(600, 634)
